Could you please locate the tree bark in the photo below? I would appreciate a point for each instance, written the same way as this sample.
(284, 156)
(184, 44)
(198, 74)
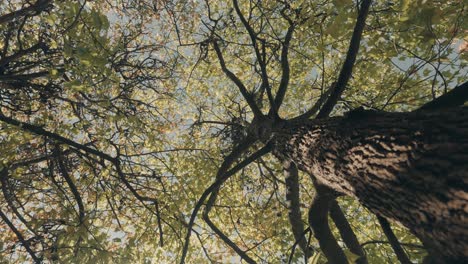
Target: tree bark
(409, 167)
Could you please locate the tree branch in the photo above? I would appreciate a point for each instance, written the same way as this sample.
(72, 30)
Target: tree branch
(221, 177)
(293, 248)
(285, 71)
(245, 93)
(220, 233)
(5, 60)
(261, 61)
(318, 221)
(393, 240)
(220, 180)
(386, 242)
(20, 237)
(346, 70)
(115, 161)
(316, 107)
(294, 214)
(9, 199)
(346, 232)
(71, 184)
(35, 8)
(42, 132)
(22, 77)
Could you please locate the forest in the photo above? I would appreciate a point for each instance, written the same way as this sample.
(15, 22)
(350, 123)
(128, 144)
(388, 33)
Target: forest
(233, 131)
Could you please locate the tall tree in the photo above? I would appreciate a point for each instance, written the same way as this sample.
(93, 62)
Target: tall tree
(122, 122)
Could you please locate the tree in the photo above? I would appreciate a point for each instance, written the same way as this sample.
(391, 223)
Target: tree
(134, 132)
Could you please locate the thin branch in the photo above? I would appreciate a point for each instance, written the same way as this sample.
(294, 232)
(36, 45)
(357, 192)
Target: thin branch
(115, 161)
(228, 161)
(23, 77)
(161, 235)
(243, 255)
(9, 199)
(5, 60)
(386, 242)
(39, 159)
(293, 248)
(210, 204)
(346, 70)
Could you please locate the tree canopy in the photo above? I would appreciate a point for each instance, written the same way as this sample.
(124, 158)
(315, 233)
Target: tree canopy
(166, 131)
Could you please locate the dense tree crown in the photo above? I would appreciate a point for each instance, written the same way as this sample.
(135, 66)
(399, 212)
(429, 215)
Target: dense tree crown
(175, 131)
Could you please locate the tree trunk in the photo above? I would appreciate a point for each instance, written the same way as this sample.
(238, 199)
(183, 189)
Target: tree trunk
(410, 167)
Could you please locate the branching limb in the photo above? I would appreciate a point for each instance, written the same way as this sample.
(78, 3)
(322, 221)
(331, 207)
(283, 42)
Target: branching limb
(245, 93)
(293, 248)
(212, 200)
(285, 71)
(215, 186)
(222, 175)
(318, 221)
(5, 60)
(393, 240)
(220, 233)
(346, 232)
(10, 199)
(15, 78)
(83, 147)
(260, 58)
(346, 70)
(294, 214)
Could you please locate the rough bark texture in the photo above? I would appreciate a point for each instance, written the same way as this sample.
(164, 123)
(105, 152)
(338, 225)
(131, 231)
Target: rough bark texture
(410, 167)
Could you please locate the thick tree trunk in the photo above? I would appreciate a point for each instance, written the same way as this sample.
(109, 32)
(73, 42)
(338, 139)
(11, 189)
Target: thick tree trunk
(410, 167)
